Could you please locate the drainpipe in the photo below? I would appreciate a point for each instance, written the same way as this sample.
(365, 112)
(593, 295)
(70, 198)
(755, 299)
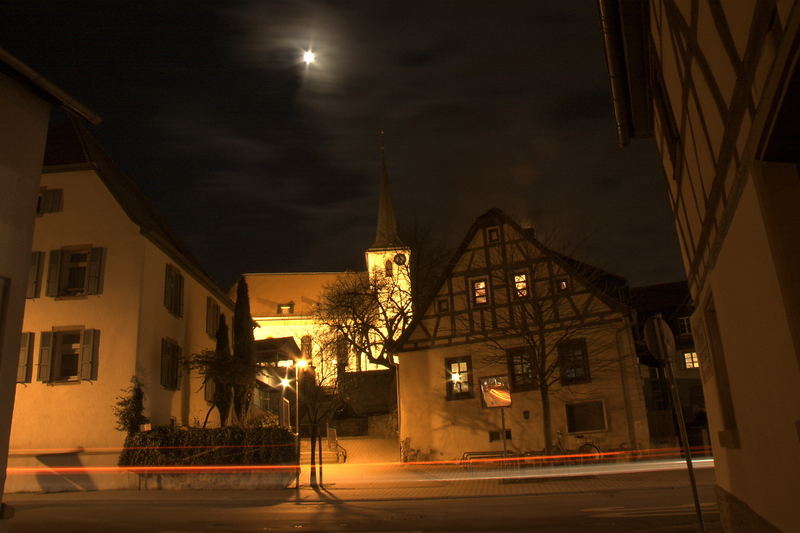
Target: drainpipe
(616, 73)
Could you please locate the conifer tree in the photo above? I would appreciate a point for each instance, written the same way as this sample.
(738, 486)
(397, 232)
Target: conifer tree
(243, 353)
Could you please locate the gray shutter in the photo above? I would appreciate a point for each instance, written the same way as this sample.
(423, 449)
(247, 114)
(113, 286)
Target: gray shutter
(25, 352)
(45, 354)
(164, 365)
(94, 279)
(53, 273)
(178, 367)
(89, 341)
(53, 200)
(35, 275)
(180, 294)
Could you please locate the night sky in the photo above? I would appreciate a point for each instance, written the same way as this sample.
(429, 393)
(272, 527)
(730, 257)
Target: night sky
(262, 165)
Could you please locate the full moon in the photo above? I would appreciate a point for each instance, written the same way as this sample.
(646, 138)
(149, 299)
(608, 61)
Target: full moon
(308, 57)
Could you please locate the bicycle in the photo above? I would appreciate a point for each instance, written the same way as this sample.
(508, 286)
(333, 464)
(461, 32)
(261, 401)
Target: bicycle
(589, 451)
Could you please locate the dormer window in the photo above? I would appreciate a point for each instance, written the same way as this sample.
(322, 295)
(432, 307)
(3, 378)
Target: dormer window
(286, 309)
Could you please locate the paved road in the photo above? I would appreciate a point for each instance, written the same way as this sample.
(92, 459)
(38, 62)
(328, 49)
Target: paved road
(650, 501)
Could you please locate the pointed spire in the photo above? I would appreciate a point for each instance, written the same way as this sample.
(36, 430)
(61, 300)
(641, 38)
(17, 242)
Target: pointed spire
(386, 233)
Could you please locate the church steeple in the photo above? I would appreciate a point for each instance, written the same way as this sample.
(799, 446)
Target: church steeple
(386, 232)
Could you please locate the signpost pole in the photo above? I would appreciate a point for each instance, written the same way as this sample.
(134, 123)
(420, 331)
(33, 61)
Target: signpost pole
(666, 358)
(503, 434)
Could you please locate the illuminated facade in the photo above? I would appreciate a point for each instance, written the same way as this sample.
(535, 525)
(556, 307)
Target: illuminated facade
(504, 297)
(717, 85)
(282, 304)
(110, 295)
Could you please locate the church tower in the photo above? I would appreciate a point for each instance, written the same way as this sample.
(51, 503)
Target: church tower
(388, 257)
(388, 260)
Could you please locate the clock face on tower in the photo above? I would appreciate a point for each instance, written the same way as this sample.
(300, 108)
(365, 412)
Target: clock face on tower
(400, 259)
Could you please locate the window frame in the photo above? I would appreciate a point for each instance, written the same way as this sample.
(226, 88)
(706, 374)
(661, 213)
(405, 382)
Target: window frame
(684, 326)
(557, 284)
(565, 345)
(443, 305)
(451, 393)
(515, 289)
(492, 231)
(511, 354)
(692, 362)
(472, 291)
(575, 431)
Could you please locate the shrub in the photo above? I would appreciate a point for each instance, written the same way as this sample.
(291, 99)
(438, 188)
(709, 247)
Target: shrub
(129, 408)
(165, 446)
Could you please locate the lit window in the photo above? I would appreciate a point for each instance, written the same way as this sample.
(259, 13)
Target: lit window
(286, 309)
(521, 285)
(684, 326)
(458, 373)
(690, 360)
(562, 285)
(493, 234)
(480, 292)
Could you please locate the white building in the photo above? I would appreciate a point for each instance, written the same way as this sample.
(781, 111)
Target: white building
(111, 295)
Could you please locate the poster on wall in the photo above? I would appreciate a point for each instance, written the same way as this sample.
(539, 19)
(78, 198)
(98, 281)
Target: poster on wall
(495, 391)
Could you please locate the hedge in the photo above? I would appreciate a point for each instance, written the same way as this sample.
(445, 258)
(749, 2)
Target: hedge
(165, 446)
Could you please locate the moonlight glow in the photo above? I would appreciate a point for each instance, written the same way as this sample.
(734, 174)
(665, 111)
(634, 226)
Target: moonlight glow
(308, 57)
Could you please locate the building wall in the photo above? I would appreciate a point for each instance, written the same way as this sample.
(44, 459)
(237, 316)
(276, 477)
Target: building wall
(726, 74)
(185, 406)
(79, 414)
(442, 429)
(22, 140)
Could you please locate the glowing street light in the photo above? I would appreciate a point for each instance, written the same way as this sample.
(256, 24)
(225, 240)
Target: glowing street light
(309, 57)
(284, 382)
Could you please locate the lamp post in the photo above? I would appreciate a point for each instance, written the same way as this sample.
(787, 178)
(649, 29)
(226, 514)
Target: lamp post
(298, 365)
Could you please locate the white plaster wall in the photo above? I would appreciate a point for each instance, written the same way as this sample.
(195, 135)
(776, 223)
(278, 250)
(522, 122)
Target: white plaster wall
(72, 414)
(444, 429)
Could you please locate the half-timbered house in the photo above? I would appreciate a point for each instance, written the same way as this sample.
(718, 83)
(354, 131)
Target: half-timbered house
(553, 328)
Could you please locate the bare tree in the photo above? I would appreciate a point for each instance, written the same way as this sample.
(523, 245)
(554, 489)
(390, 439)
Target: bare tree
(369, 311)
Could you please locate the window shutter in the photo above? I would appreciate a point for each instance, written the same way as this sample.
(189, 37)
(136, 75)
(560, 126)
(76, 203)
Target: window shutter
(90, 339)
(179, 307)
(94, 283)
(45, 354)
(178, 367)
(164, 363)
(53, 200)
(53, 273)
(25, 352)
(34, 275)
(208, 316)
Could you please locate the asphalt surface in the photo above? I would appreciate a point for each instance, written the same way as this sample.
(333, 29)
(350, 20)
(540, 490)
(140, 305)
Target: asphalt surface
(654, 501)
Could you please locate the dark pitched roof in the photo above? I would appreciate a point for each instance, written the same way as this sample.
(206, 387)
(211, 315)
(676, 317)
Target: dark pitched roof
(386, 231)
(70, 146)
(14, 68)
